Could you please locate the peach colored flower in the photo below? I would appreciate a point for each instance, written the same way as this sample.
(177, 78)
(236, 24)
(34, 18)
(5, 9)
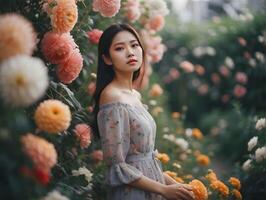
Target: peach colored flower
(200, 70)
(57, 47)
(224, 71)
(211, 176)
(220, 187)
(174, 73)
(91, 88)
(203, 160)
(107, 8)
(199, 190)
(239, 91)
(52, 116)
(187, 66)
(241, 77)
(17, 36)
(197, 133)
(97, 155)
(242, 41)
(83, 133)
(203, 89)
(156, 23)
(132, 10)
(163, 157)
(235, 182)
(94, 35)
(176, 115)
(41, 152)
(237, 194)
(156, 90)
(64, 16)
(69, 70)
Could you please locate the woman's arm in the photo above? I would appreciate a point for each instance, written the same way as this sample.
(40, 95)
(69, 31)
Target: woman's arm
(174, 191)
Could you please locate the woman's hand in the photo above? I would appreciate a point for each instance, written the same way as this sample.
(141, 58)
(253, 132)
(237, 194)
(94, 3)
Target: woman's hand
(177, 192)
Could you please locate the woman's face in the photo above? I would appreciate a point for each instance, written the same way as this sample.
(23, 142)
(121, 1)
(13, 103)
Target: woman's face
(125, 53)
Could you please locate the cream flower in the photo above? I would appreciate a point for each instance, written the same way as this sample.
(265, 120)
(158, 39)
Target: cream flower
(261, 123)
(247, 165)
(23, 80)
(156, 7)
(83, 171)
(252, 143)
(182, 143)
(55, 195)
(260, 154)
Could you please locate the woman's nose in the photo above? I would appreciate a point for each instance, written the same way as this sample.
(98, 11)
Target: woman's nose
(130, 52)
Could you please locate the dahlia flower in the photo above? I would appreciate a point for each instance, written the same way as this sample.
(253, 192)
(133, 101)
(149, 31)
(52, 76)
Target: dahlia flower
(107, 8)
(52, 116)
(41, 152)
(83, 133)
(235, 182)
(199, 190)
(69, 70)
(17, 36)
(203, 160)
(57, 47)
(220, 187)
(23, 80)
(237, 194)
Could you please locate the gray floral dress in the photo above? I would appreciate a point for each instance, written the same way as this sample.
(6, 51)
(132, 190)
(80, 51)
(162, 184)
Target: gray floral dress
(128, 136)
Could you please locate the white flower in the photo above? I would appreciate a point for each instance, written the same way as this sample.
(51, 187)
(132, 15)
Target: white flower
(83, 171)
(260, 154)
(229, 62)
(165, 129)
(247, 165)
(261, 123)
(198, 51)
(252, 143)
(153, 102)
(252, 62)
(55, 195)
(23, 80)
(169, 137)
(182, 143)
(156, 7)
(210, 51)
(188, 132)
(259, 56)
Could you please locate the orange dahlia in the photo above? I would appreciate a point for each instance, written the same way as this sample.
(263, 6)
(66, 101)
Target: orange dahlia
(237, 194)
(235, 182)
(220, 187)
(211, 176)
(197, 133)
(199, 190)
(52, 116)
(41, 152)
(203, 160)
(64, 16)
(163, 157)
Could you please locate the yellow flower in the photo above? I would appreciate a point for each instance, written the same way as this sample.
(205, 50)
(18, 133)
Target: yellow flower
(211, 176)
(237, 194)
(199, 190)
(163, 157)
(203, 160)
(220, 187)
(52, 116)
(197, 133)
(41, 152)
(235, 182)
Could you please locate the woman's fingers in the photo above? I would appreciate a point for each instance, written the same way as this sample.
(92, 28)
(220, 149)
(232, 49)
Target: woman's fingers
(184, 194)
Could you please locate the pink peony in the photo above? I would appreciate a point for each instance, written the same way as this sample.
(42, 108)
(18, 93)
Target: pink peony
(57, 47)
(107, 8)
(91, 88)
(156, 23)
(94, 35)
(17, 36)
(241, 77)
(83, 133)
(97, 155)
(69, 70)
(132, 10)
(64, 15)
(239, 91)
(187, 66)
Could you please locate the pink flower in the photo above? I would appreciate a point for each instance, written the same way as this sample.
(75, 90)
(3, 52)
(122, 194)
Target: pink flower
(224, 71)
(132, 10)
(156, 23)
(241, 77)
(57, 47)
(215, 78)
(69, 70)
(187, 66)
(174, 73)
(107, 8)
(239, 91)
(97, 155)
(17, 36)
(200, 70)
(242, 41)
(94, 35)
(91, 88)
(203, 89)
(83, 134)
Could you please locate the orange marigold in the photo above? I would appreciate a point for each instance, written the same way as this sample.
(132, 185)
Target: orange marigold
(179, 179)
(203, 160)
(237, 194)
(197, 133)
(41, 152)
(235, 182)
(52, 116)
(211, 176)
(199, 190)
(163, 157)
(220, 187)
(64, 16)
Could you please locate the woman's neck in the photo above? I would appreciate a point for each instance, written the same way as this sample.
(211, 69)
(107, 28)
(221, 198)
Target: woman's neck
(124, 82)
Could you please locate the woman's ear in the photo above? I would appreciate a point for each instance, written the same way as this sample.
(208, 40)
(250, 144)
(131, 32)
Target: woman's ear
(107, 60)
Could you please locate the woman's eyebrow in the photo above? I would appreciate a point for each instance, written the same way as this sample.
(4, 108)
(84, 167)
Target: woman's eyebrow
(118, 43)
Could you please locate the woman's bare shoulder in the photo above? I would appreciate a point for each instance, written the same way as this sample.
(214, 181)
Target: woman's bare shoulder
(109, 94)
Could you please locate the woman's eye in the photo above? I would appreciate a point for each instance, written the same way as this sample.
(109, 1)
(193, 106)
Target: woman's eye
(135, 45)
(118, 48)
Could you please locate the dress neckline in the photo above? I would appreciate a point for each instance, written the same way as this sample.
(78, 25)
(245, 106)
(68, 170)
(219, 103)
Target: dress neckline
(106, 105)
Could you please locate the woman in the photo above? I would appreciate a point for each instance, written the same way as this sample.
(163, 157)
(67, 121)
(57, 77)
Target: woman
(126, 128)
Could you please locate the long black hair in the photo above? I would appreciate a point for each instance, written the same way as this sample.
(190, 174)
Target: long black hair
(105, 73)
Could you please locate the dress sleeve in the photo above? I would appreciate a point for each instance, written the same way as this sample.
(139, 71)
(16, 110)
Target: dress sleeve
(114, 129)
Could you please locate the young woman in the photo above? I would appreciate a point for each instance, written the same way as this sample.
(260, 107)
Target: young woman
(126, 129)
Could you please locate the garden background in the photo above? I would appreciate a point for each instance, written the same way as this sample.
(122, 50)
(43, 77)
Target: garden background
(204, 85)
